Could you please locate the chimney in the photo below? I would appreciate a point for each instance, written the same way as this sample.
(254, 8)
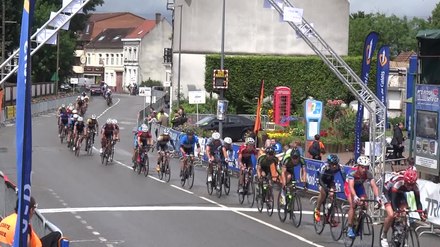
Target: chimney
(158, 17)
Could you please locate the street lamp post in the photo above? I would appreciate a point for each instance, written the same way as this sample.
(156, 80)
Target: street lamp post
(222, 60)
(180, 56)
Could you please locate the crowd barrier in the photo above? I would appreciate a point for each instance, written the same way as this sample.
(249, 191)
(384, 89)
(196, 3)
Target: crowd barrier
(8, 197)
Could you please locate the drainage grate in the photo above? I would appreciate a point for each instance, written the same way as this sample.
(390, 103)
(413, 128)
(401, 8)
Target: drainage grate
(3, 150)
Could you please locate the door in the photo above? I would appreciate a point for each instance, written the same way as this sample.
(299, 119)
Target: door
(119, 82)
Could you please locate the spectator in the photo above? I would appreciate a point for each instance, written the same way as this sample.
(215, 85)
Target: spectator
(163, 118)
(179, 118)
(276, 146)
(397, 141)
(296, 145)
(316, 148)
(7, 230)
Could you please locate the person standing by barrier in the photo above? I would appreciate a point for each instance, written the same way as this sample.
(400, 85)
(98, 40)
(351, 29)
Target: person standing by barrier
(397, 142)
(7, 230)
(316, 148)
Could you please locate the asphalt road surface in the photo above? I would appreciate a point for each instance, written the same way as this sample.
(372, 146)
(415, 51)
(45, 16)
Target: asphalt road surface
(97, 205)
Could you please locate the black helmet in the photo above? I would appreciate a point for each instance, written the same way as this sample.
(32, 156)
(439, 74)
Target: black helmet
(333, 159)
(269, 151)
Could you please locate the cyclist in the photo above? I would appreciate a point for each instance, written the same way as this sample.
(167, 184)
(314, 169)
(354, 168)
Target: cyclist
(288, 165)
(63, 120)
(62, 109)
(162, 145)
(142, 140)
(227, 150)
(106, 134)
(327, 180)
(355, 191)
(244, 158)
(213, 150)
(394, 198)
(92, 126)
(187, 142)
(78, 132)
(79, 103)
(71, 126)
(266, 163)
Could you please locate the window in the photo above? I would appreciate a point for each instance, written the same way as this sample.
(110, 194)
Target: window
(135, 54)
(106, 59)
(122, 57)
(101, 60)
(117, 59)
(88, 59)
(112, 61)
(88, 29)
(426, 124)
(101, 38)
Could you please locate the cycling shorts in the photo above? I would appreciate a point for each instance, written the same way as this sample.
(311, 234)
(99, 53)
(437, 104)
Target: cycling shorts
(360, 190)
(266, 170)
(64, 121)
(162, 147)
(401, 198)
(247, 161)
(188, 151)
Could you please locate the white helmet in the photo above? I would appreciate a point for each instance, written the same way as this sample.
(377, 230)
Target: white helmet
(114, 121)
(109, 121)
(80, 119)
(82, 98)
(144, 128)
(93, 116)
(63, 106)
(74, 111)
(75, 116)
(250, 140)
(228, 140)
(215, 136)
(363, 161)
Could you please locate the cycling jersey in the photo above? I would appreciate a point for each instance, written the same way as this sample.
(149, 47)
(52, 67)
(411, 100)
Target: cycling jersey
(80, 127)
(246, 154)
(144, 136)
(290, 166)
(72, 123)
(215, 147)
(395, 189)
(64, 118)
(80, 103)
(327, 175)
(266, 162)
(359, 180)
(185, 142)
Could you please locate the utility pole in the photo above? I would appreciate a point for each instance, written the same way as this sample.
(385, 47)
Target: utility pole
(180, 56)
(222, 59)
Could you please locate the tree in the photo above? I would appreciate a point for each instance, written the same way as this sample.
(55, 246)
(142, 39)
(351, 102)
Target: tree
(435, 18)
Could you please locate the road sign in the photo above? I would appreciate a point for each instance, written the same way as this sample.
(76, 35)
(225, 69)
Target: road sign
(145, 91)
(197, 97)
(220, 79)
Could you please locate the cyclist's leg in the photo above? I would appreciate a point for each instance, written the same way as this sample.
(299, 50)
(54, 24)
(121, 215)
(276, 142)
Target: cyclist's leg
(390, 213)
(349, 197)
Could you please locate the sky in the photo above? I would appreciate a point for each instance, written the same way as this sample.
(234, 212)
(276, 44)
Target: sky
(409, 8)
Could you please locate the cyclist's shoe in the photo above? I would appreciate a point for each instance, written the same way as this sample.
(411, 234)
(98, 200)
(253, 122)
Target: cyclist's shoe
(317, 215)
(157, 168)
(73, 148)
(209, 178)
(350, 233)
(282, 200)
(100, 150)
(240, 190)
(384, 242)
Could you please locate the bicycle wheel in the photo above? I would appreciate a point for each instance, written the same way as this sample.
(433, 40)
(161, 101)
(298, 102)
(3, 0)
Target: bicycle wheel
(183, 178)
(209, 186)
(250, 193)
(241, 195)
(319, 225)
(282, 206)
(191, 175)
(389, 236)
(227, 182)
(218, 184)
(336, 221)
(259, 197)
(365, 231)
(411, 239)
(161, 171)
(77, 149)
(167, 171)
(296, 209)
(89, 146)
(102, 158)
(269, 200)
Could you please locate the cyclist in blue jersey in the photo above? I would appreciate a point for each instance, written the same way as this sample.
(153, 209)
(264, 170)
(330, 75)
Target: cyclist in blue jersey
(187, 142)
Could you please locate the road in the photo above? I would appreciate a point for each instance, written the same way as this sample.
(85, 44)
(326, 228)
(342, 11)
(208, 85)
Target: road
(97, 205)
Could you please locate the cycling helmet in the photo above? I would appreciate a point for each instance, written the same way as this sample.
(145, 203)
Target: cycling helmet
(109, 121)
(79, 97)
(250, 141)
(410, 177)
(363, 161)
(74, 111)
(190, 132)
(80, 119)
(215, 136)
(269, 151)
(114, 121)
(93, 116)
(75, 116)
(295, 154)
(333, 159)
(63, 106)
(144, 128)
(82, 98)
(228, 140)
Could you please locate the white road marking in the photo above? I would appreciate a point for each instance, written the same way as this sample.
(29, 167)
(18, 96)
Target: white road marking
(109, 108)
(177, 187)
(96, 233)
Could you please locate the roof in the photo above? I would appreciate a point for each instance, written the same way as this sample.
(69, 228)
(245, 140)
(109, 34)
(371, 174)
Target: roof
(110, 38)
(428, 34)
(95, 17)
(142, 29)
(404, 56)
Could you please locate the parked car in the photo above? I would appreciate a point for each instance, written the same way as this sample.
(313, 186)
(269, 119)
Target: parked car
(95, 89)
(65, 87)
(234, 126)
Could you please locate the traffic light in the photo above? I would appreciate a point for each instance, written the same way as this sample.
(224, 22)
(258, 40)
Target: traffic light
(220, 79)
(167, 55)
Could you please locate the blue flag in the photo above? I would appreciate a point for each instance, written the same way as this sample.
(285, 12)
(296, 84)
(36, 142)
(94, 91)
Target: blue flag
(369, 47)
(383, 70)
(24, 127)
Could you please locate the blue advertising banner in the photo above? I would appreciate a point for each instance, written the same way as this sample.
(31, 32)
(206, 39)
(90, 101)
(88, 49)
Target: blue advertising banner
(427, 97)
(383, 70)
(369, 47)
(24, 127)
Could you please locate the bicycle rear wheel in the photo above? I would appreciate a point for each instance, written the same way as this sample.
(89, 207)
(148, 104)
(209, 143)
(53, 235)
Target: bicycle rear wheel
(227, 182)
(319, 225)
(191, 175)
(282, 206)
(411, 239)
(269, 200)
(365, 232)
(209, 186)
(336, 221)
(167, 170)
(250, 192)
(146, 165)
(259, 197)
(296, 209)
(161, 171)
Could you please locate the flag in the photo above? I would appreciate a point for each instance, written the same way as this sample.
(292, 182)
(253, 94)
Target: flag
(383, 70)
(369, 47)
(257, 125)
(24, 127)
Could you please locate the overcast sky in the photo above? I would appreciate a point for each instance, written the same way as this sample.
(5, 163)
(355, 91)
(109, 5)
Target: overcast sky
(410, 8)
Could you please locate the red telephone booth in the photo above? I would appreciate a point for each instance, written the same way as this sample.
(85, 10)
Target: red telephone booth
(281, 106)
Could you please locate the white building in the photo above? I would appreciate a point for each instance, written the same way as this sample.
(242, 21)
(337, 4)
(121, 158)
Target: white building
(249, 29)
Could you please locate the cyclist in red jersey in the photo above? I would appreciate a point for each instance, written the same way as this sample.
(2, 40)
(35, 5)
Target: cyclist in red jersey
(244, 157)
